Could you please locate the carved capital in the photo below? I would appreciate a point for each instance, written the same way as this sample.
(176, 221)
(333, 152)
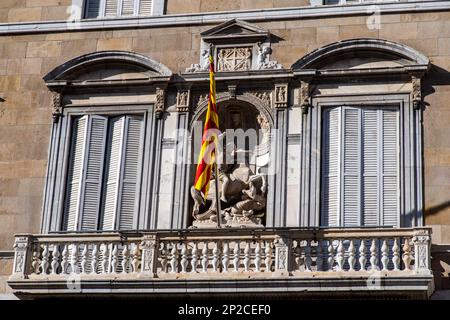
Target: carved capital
(183, 99)
(160, 102)
(281, 96)
(56, 105)
(416, 92)
(304, 96)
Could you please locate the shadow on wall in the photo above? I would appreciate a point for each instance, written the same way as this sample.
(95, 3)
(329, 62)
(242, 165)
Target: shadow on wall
(437, 76)
(441, 268)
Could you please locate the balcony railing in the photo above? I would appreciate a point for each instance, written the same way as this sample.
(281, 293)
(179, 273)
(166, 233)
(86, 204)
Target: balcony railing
(223, 254)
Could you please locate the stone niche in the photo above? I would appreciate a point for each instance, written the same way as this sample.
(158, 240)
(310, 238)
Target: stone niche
(242, 170)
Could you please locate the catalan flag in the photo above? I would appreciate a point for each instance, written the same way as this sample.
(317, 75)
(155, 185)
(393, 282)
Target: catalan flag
(207, 154)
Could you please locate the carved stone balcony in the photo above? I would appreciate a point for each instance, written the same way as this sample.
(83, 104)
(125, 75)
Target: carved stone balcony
(224, 262)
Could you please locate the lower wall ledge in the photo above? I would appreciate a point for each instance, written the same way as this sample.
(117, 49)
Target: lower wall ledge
(418, 287)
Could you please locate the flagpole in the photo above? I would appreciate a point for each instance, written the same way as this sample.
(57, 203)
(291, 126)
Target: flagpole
(216, 167)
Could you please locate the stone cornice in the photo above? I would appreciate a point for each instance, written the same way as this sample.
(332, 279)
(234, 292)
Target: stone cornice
(259, 15)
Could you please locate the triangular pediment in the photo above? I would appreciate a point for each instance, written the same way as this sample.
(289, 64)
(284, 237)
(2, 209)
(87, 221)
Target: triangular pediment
(235, 29)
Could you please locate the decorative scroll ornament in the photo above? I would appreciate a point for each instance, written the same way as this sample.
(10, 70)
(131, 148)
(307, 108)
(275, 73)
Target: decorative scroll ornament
(160, 102)
(57, 106)
(281, 96)
(183, 101)
(234, 59)
(263, 59)
(264, 96)
(304, 96)
(416, 93)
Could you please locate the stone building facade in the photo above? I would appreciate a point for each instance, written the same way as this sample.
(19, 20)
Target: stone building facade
(314, 74)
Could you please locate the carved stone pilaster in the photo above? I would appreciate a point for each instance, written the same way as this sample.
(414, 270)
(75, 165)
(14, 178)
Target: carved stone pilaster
(160, 102)
(183, 99)
(282, 256)
(422, 243)
(416, 93)
(304, 96)
(56, 106)
(21, 256)
(149, 252)
(281, 96)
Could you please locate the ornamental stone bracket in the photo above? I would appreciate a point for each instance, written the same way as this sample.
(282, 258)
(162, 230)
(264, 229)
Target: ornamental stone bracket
(160, 102)
(304, 96)
(57, 108)
(416, 93)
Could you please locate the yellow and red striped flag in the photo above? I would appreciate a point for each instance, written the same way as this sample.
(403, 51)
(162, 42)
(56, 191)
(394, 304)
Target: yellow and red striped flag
(207, 154)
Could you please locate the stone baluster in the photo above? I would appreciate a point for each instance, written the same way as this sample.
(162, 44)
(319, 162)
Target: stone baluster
(65, 259)
(105, 257)
(362, 256)
(205, 257)
(407, 255)
(298, 255)
(74, 258)
(135, 255)
(164, 259)
(55, 259)
(351, 256)
(125, 257)
(36, 263)
(225, 256)
(194, 259)
(174, 259)
(45, 256)
(308, 259)
(236, 257)
(396, 255)
(373, 256)
(319, 257)
(268, 257)
(114, 258)
(340, 255)
(330, 255)
(84, 260)
(247, 257)
(215, 260)
(94, 261)
(384, 255)
(258, 257)
(184, 258)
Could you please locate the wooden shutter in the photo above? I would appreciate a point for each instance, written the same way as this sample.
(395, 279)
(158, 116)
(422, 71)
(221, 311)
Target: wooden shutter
(123, 173)
(146, 7)
(111, 8)
(389, 165)
(351, 168)
(127, 7)
(331, 167)
(92, 9)
(370, 167)
(85, 173)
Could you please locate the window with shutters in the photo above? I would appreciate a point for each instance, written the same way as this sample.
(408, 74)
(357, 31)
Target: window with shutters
(360, 166)
(104, 168)
(121, 8)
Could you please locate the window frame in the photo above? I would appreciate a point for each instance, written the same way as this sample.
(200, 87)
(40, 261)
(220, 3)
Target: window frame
(60, 161)
(357, 106)
(410, 160)
(157, 9)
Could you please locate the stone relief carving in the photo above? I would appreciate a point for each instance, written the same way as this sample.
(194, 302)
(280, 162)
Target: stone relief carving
(57, 106)
(234, 59)
(263, 59)
(264, 96)
(304, 96)
(183, 101)
(160, 102)
(416, 92)
(281, 96)
(203, 66)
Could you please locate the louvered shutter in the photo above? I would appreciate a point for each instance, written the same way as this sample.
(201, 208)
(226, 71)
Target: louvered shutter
(127, 7)
(331, 167)
(92, 9)
(85, 173)
(111, 7)
(123, 173)
(145, 7)
(370, 167)
(351, 168)
(389, 164)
